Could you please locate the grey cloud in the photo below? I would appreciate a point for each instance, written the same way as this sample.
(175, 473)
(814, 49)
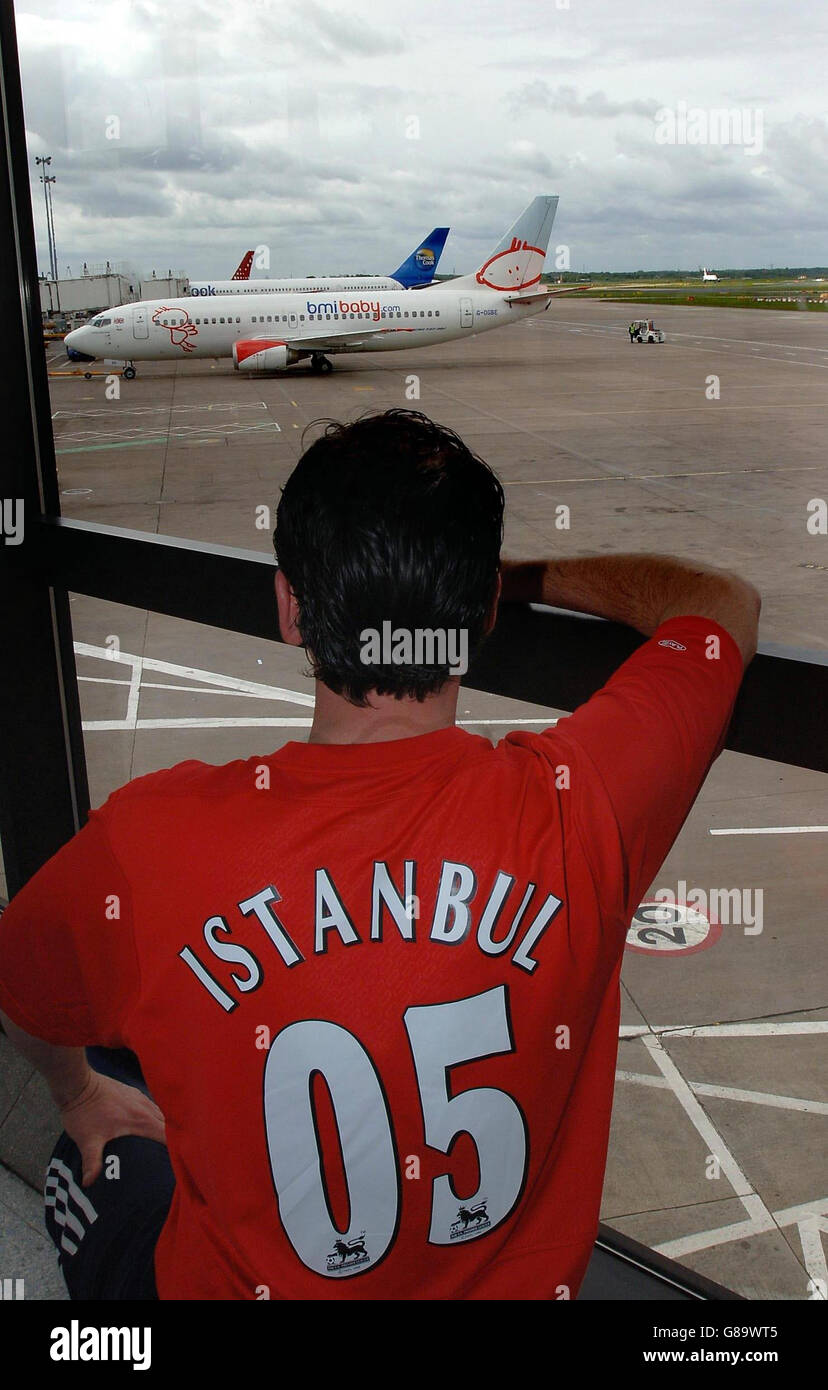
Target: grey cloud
(565, 100)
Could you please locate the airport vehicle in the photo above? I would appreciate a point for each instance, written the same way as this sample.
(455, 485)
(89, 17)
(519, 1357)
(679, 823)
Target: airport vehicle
(646, 332)
(272, 331)
(416, 271)
(708, 274)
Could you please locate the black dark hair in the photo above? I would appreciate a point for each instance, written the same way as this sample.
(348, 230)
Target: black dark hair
(388, 519)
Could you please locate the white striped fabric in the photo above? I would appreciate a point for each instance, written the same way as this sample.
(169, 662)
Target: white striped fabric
(61, 1192)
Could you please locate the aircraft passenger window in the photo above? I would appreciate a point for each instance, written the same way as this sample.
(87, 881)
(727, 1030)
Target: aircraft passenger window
(429, 313)
(221, 320)
(436, 313)
(302, 318)
(212, 320)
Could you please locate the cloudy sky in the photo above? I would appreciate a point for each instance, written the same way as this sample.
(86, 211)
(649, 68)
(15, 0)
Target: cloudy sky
(183, 132)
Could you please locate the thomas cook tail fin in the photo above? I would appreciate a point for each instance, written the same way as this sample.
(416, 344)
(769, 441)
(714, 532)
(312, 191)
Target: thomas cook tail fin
(420, 266)
(517, 261)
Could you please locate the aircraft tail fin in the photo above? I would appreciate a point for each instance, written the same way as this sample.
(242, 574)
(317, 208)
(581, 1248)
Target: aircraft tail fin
(517, 261)
(243, 270)
(420, 266)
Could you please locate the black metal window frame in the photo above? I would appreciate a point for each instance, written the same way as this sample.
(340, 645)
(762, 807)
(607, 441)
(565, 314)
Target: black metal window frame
(550, 658)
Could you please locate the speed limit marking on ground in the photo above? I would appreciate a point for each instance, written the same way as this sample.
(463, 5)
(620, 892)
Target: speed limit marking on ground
(671, 929)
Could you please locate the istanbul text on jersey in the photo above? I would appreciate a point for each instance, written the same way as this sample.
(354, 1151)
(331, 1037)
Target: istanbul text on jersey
(452, 921)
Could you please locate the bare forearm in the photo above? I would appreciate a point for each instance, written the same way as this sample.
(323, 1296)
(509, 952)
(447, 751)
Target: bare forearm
(642, 591)
(65, 1069)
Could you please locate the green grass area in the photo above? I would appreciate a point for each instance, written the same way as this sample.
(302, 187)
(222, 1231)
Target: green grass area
(788, 288)
(706, 299)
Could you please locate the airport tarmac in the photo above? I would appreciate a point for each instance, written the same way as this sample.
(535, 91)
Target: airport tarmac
(708, 446)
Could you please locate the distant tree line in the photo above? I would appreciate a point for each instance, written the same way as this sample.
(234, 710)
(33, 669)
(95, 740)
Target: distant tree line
(572, 277)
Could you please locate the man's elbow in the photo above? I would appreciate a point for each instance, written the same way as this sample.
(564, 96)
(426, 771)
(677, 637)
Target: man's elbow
(742, 618)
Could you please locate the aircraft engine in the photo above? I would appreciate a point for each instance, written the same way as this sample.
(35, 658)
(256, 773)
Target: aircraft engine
(263, 355)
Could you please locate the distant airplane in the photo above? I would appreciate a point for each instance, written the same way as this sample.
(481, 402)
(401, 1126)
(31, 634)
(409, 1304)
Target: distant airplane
(275, 330)
(708, 274)
(417, 270)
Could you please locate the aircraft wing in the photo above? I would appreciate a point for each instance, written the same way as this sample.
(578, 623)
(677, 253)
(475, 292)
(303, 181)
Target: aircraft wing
(352, 338)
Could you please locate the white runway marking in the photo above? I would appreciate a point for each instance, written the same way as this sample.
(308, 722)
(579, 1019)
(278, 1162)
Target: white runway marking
(109, 725)
(159, 409)
(614, 331)
(649, 477)
(813, 1253)
(150, 433)
(761, 1029)
(706, 337)
(169, 668)
(774, 830)
(811, 1218)
(217, 685)
(703, 1088)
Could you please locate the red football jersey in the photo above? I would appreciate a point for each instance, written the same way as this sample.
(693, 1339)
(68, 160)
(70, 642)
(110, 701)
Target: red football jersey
(374, 988)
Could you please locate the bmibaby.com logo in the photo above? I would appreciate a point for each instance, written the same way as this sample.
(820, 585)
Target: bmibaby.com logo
(76, 1343)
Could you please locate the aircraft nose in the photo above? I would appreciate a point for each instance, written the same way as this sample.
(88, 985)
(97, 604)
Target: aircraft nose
(75, 342)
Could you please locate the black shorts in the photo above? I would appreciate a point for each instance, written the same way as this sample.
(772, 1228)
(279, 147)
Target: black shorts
(106, 1234)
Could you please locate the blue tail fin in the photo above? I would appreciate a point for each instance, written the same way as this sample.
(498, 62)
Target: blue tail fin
(421, 264)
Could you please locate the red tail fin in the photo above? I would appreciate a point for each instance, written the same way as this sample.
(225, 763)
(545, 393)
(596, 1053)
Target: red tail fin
(243, 272)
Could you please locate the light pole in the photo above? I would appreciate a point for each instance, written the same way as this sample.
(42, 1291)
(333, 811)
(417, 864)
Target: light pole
(50, 178)
(44, 160)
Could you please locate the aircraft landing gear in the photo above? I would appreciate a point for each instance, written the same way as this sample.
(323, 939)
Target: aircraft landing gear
(129, 372)
(320, 363)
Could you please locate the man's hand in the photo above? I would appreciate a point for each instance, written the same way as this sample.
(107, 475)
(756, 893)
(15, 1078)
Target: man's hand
(107, 1109)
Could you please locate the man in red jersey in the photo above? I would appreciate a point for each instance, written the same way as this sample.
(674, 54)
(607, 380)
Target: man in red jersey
(372, 980)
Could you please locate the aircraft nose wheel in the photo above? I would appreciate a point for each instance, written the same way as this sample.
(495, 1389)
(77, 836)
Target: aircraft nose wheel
(320, 363)
(129, 372)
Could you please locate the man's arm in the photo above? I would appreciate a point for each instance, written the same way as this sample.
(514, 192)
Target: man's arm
(65, 1069)
(93, 1108)
(642, 591)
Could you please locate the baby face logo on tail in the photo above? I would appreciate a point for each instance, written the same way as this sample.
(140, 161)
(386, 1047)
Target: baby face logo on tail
(516, 268)
(177, 322)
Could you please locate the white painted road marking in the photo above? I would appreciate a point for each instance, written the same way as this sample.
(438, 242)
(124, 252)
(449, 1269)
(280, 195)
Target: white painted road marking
(774, 830)
(217, 685)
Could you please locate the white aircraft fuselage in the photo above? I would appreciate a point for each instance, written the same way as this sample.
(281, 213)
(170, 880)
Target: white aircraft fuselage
(307, 323)
(209, 289)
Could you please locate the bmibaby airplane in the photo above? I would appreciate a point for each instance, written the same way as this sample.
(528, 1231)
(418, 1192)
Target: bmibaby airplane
(416, 270)
(271, 332)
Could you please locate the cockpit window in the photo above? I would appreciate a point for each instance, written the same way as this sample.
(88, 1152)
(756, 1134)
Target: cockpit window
(101, 323)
